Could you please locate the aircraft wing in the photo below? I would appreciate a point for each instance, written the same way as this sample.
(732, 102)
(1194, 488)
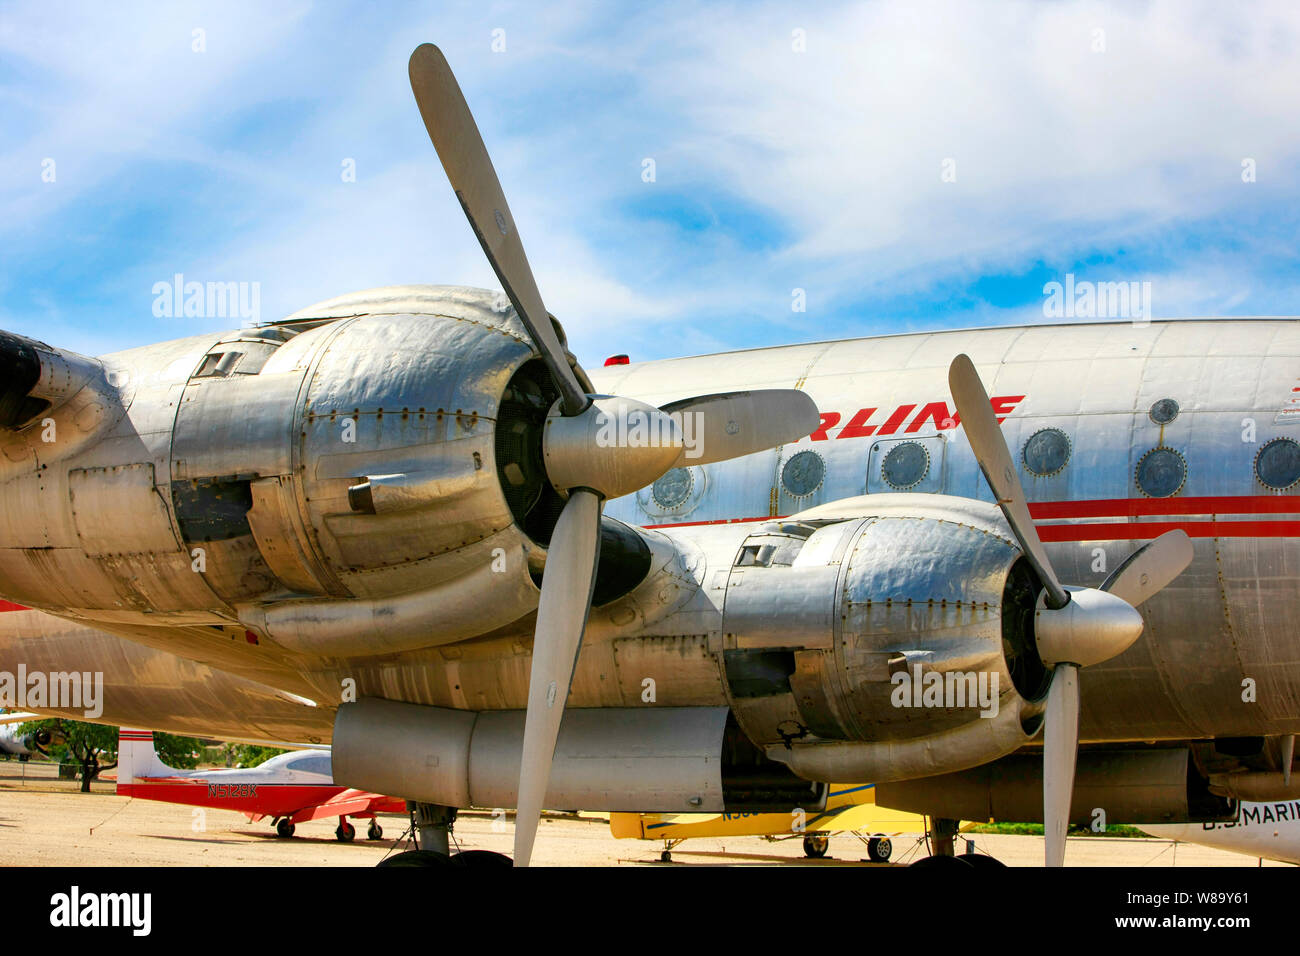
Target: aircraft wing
(351, 803)
(145, 685)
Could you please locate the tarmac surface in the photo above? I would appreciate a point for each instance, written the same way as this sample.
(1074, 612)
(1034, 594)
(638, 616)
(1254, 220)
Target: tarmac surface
(47, 822)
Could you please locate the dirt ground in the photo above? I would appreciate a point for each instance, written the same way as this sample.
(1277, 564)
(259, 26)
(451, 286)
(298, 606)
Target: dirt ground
(47, 822)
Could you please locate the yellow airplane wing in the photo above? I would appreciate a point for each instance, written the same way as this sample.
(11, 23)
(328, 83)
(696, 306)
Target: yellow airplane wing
(848, 807)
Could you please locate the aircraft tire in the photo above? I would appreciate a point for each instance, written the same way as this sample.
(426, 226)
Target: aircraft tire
(879, 849)
(943, 863)
(375, 832)
(284, 829)
(345, 832)
(815, 845)
(982, 861)
(480, 859)
(416, 858)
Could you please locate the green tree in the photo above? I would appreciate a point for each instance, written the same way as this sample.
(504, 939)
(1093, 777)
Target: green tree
(93, 747)
(247, 755)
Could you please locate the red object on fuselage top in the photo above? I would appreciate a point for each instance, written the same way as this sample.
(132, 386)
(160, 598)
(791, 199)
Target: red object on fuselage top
(617, 360)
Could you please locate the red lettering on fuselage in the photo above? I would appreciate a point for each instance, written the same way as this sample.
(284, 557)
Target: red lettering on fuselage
(896, 419)
(1002, 405)
(829, 420)
(937, 414)
(857, 426)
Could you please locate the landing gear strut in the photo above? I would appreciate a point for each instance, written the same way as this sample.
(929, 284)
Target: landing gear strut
(433, 825)
(943, 836)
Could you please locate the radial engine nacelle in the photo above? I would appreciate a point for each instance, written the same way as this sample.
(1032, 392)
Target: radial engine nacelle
(884, 638)
(368, 472)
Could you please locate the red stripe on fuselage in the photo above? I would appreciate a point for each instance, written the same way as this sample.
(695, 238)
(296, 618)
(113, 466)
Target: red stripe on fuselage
(1137, 507)
(1142, 530)
(273, 799)
(11, 606)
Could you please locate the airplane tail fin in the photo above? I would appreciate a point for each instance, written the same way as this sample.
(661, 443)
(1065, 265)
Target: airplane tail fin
(136, 757)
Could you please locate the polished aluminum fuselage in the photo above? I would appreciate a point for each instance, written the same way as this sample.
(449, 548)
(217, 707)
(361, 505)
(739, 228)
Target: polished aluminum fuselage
(96, 535)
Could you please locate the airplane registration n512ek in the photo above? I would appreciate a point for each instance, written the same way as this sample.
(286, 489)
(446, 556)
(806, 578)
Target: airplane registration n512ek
(387, 521)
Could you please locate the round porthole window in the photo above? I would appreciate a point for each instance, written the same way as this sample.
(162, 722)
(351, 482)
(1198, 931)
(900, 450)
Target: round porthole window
(905, 465)
(1046, 452)
(672, 488)
(1164, 411)
(803, 474)
(1161, 473)
(1277, 465)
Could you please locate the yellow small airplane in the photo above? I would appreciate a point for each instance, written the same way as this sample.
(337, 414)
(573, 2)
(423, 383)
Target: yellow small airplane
(849, 808)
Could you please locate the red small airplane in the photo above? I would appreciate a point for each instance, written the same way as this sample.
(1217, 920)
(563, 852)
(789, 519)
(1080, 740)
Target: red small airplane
(289, 788)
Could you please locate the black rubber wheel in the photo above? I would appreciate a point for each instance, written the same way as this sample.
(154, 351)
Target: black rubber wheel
(284, 829)
(815, 845)
(375, 832)
(982, 861)
(481, 859)
(943, 863)
(416, 858)
(666, 856)
(345, 832)
(879, 849)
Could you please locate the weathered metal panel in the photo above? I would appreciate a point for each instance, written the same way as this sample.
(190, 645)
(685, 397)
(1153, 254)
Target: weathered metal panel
(278, 538)
(242, 424)
(118, 510)
(55, 577)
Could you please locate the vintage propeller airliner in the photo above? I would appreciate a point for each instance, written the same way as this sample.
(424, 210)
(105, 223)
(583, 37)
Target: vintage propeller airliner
(408, 522)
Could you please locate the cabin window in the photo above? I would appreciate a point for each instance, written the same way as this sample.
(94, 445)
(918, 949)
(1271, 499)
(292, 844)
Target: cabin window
(1164, 411)
(1277, 465)
(1046, 452)
(803, 474)
(673, 488)
(905, 466)
(1161, 473)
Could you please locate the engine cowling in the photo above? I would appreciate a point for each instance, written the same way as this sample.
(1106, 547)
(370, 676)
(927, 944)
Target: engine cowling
(420, 431)
(884, 638)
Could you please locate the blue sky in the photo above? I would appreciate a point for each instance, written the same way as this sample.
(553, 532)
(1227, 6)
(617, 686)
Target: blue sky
(1106, 140)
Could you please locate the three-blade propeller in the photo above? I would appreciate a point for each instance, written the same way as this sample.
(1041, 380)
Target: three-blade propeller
(1073, 627)
(582, 463)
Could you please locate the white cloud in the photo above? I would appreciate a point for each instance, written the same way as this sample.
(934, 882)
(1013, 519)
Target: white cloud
(1053, 143)
(1059, 150)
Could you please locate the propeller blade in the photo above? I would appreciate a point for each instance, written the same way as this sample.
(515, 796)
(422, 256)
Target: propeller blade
(994, 457)
(567, 585)
(1060, 750)
(456, 137)
(1151, 567)
(731, 424)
